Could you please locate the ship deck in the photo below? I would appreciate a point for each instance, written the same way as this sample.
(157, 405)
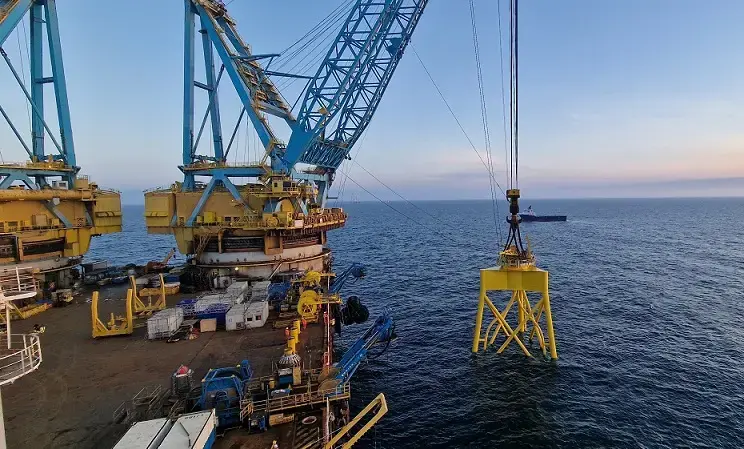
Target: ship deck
(71, 399)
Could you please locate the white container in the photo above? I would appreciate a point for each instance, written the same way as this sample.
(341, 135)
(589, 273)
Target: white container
(145, 434)
(227, 296)
(164, 323)
(235, 317)
(256, 314)
(192, 431)
(239, 287)
(260, 291)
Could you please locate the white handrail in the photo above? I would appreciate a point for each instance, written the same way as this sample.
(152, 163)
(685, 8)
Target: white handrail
(23, 357)
(17, 281)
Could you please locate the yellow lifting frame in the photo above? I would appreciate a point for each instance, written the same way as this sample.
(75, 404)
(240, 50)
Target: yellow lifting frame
(518, 280)
(139, 306)
(381, 410)
(116, 325)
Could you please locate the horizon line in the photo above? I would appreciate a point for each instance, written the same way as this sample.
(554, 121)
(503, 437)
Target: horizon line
(646, 198)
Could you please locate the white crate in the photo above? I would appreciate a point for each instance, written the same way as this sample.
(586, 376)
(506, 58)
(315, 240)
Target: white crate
(238, 287)
(260, 291)
(164, 323)
(206, 303)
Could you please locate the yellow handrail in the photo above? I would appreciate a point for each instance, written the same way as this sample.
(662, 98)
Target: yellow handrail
(381, 410)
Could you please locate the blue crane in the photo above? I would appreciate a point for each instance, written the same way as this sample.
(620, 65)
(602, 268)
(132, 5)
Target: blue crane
(337, 106)
(381, 331)
(42, 17)
(355, 270)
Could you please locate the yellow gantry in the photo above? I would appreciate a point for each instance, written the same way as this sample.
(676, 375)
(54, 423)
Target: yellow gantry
(138, 306)
(117, 325)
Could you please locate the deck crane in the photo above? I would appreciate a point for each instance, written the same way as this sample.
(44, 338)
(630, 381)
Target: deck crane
(279, 217)
(48, 211)
(517, 272)
(381, 331)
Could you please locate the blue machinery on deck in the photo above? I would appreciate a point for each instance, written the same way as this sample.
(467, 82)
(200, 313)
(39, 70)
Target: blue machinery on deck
(356, 270)
(222, 389)
(225, 389)
(381, 331)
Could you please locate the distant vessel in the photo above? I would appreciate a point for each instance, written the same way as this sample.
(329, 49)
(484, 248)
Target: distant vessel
(529, 215)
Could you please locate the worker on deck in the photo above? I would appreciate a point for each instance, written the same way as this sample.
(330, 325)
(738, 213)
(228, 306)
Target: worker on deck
(304, 324)
(286, 333)
(39, 329)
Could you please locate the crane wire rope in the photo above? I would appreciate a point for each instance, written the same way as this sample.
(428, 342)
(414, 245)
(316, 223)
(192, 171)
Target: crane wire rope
(346, 177)
(457, 120)
(317, 26)
(23, 68)
(396, 193)
(316, 54)
(342, 190)
(325, 33)
(435, 231)
(484, 119)
(311, 36)
(489, 170)
(514, 94)
(507, 162)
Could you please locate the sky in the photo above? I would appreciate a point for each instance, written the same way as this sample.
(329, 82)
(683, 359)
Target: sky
(624, 98)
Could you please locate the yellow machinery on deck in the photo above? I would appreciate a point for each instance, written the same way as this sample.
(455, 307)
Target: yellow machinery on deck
(139, 306)
(22, 279)
(21, 313)
(117, 325)
(312, 295)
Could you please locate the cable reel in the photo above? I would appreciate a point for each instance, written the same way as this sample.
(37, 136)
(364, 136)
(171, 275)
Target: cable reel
(307, 307)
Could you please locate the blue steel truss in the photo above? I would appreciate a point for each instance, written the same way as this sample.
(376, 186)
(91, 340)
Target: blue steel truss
(340, 101)
(256, 91)
(326, 94)
(42, 16)
(367, 93)
(338, 104)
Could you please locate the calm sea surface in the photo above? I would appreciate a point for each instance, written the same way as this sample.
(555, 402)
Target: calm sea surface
(648, 307)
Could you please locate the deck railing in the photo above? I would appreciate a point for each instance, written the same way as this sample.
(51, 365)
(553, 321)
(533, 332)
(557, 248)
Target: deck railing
(247, 407)
(17, 282)
(23, 357)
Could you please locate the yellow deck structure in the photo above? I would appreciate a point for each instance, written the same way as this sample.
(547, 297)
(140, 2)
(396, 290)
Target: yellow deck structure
(138, 305)
(378, 406)
(117, 325)
(275, 222)
(54, 223)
